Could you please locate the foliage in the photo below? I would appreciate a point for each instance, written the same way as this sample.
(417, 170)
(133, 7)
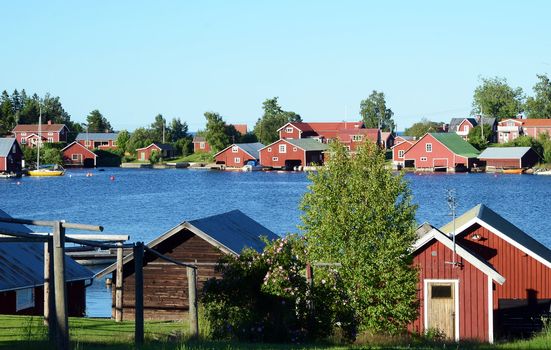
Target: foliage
(178, 130)
(495, 98)
(249, 137)
(184, 146)
(122, 140)
(50, 155)
(476, 138)
(265, 297)
(359, 214)
(158, 129)
(419, 129)
(141, 137)
(375, 113)
(545, 140)
(274, 117)
(109, 157)
(539, 106)
(525, 141)
(97, 122)
(154, 157)
(215, 132)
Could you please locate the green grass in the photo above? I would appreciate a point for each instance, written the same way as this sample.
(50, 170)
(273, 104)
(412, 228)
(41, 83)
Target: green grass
(199, 157)
(27, 332)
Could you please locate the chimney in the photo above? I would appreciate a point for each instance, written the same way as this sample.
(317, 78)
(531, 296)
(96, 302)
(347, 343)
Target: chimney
(49, 122)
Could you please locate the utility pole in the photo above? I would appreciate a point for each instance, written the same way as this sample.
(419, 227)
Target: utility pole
(452, 204)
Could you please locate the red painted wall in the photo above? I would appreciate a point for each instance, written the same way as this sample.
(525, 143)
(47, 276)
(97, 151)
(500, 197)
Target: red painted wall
(473, 290)
(295, 134)
(439, 156)
(12, 163)
(292, 153)
(92, 144)
(535, 131)
(403, 146)
(228, 157)
(197, 147)
(145, 153)
(85, 156)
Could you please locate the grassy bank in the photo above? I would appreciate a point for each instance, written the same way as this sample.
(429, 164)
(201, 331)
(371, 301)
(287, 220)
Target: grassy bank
(25, 332)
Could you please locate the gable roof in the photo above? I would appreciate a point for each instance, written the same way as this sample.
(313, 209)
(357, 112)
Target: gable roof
(34, 127)
(231, 232)
(371, 134)
(6, 144)
(455, 122)
(504, 152)
(427, 233)
(76, 144)
(251, 149)
(198, 139)
(97, 136)
(325, 129)
(456, 144)
(308, 144)
(161, 146)
(488, 218)
(22, 264)
(410, 143)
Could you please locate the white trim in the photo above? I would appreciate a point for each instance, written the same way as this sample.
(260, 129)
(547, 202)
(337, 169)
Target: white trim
(456, 302)
(490, 311)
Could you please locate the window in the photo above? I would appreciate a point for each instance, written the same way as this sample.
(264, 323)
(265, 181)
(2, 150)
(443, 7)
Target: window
(88, 143)
(282, 148)
(294, 149)
(356, 138)
(441, 292)
(466, 128)
(235, 149)
(289, 129)
(75, 156)
(274, 159)
(50, 139)
(423, 159)
(401, 153)
(23, 141)
(24, 299)
(201, 145)
(50, 133)
(23, 134)
(269, 149)
(428, 147)
(237, 160)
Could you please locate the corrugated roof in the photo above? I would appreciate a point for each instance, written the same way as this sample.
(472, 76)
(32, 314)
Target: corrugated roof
(504, 152)
(232, 231)
(97, 136)
(308, 144)
(495, 220)
(251, 148)
(34, 127)
(456, 144)
(6, 144)
(22, 264)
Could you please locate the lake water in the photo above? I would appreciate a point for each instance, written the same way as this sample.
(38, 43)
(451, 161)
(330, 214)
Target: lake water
(145, 203)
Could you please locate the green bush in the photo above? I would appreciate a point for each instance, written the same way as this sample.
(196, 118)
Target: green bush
(154, 157)
(265, 297)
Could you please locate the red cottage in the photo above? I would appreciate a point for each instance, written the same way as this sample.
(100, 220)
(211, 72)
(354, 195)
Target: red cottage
(49, 133)
(238, 154)
(75, 154)
(441, 151)
(200, 144)
(498, 282)
(10, 156)
(352, 138)
(103, 141)
(293, 152)
(323, 131)
(398, 151)
(534, 127)
(165, 151)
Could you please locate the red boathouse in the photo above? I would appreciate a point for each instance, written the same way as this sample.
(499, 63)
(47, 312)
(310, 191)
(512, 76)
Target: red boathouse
(77, 154)
(239, 154)
(293, 152)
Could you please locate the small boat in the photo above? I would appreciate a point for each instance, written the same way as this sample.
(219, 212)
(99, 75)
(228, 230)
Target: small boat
(513, 171)
(8, 175)
(48, 170)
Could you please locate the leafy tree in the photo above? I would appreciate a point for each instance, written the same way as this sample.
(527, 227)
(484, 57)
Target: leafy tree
(419, 129)
(51, 155)
(97, 122)
(274, 117)
(141, 137)
(539, 106)
(178, 130)
(526, 141)
(215, 132)
(359, 214)
(476, 138)
(233, 135)
(249, 137)
(545, 140)
(495, 98)
(122, 140)
(375, 113)
(7, 115)
(158, 127)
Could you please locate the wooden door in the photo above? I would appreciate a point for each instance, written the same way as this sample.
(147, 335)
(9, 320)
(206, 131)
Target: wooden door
(441, 308)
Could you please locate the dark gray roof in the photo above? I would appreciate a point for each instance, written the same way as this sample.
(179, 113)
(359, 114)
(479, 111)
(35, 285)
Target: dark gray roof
(5, 146)
(232, 232)
(455, 122)
(493, 219)
(97, 136)
(504, 152)
(22, 264)
(250, 148)
(199, 139)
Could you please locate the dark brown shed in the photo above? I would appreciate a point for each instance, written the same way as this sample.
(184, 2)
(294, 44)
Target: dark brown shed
(509, 157)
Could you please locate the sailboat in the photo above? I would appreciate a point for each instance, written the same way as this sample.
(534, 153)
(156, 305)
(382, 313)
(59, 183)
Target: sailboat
(45, 170)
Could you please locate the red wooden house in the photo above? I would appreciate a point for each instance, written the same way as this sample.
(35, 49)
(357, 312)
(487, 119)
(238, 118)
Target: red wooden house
(353, 138)
(497, 283)
(103, 140)
(238, 154)
(10, 156)
(510, 129)
(76, 154)
(534, 127)
(200, 144)
(164, 150)
(50, 133)
(398, 151)
(441, 151)
(291, 153)
(323, 131)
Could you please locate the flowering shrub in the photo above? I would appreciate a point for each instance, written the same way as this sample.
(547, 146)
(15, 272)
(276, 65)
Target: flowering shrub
(266, 297)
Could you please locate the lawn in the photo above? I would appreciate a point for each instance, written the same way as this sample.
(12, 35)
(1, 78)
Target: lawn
(26, 332)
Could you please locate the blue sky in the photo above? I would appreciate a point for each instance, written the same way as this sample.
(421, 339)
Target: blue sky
(133, 60)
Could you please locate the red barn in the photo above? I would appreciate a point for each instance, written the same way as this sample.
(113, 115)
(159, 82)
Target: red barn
(49, 132)
(292, 152)
(238, 154)
(10, 156)
(398, 151)
(441, 151)
(164, 150)
(498, 282)
(200, 144)
(76, 154)
(99, 140)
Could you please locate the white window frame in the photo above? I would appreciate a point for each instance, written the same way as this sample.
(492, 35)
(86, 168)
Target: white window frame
(202, 145)
(75, 156)
(289, 129)
(357, 138)
(294, 149)
(428, 147)
(24, 299)
(465, 128)
(237, 160)
(401, 153)
(87, 143)
(23, 134)
(235, 149)
(50, 133)
(269, 149)
(275, 159)
(50, 139)
(283, 148)
(423, 159)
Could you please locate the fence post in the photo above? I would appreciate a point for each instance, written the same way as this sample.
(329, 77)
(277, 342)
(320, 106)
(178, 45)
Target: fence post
(192, 296)
(49, 302)
(60, 291)
(138, 308)
(118, 285)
